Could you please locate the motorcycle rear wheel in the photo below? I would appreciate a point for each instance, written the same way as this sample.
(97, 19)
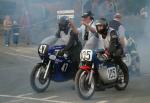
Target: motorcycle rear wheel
(123, 78)
(37, 78)
(84, 90)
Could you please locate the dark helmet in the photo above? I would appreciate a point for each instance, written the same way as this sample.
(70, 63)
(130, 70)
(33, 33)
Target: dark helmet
(63, 23)
(102, 22)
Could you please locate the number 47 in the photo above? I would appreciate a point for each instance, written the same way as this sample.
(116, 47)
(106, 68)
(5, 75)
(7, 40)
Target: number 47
(42, 48)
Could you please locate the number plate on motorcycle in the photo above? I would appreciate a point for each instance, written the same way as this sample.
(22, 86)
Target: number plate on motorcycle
(86, 55)
(52, 57)
(111, 73)
(42, 48)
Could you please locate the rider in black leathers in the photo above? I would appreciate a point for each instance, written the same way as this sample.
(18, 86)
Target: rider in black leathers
(73, 46)
(110, 43)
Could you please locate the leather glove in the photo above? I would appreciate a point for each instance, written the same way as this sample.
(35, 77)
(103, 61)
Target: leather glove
(61, 53)
(106, 55)
(103, 55)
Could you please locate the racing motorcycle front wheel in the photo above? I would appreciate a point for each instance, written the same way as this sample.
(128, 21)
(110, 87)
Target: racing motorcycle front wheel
(123, 77)
(84, 89)
(37, 81)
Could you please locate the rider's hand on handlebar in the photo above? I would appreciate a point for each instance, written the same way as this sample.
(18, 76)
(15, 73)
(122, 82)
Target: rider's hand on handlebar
(103, 55)
(60, 53)
(106, 54)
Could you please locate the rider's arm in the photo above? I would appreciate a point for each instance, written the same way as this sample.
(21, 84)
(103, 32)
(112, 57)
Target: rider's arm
(115, 48)
(73, 26)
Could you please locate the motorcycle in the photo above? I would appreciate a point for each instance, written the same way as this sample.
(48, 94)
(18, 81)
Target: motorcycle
(132, 58)
(99, 73)
(133, 63)
(55, 66)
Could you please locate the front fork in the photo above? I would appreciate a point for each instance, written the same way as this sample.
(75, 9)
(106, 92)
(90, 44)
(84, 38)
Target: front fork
(47, 67)
(90, 75)
(46, 71)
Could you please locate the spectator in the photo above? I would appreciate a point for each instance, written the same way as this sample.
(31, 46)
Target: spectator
(117, 25)
(15, 33)
(87, 26)
(7, 24)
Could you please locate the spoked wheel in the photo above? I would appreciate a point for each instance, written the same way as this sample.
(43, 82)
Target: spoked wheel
(123, 78)
(84, 89)
(38, 83)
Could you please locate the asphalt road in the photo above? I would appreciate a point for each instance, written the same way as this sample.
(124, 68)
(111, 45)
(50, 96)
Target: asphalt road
(15, 69)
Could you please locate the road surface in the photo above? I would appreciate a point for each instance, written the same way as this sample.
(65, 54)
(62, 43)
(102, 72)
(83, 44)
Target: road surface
(16, 64)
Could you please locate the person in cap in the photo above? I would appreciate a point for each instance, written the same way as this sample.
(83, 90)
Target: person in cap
(87, 27)
(117, 25)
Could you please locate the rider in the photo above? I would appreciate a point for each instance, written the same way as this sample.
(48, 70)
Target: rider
(73, 45)
(110, 42)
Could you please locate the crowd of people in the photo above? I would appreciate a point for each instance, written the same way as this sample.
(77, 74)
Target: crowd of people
(13, 28)
(88, 29)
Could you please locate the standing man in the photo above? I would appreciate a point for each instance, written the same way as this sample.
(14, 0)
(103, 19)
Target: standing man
(7, 25)
(87, 27)
(117, 25)
(15, 30)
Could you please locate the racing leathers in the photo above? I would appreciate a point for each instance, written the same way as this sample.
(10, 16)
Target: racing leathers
(112, 47)
(116, 24)
(110, 43)
(72, 47)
